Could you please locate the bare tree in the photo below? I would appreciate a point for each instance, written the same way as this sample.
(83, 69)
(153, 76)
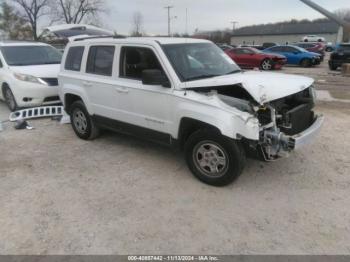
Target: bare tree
(12, 25)
(343, 13)
(137, 21)
(76, 11)
(32, 11)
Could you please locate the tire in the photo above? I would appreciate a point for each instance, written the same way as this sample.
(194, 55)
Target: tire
(82, 123)
(306, 62)
(266, 65)
(333, 67)
(10, 99)
(226, 155)
(329, 49)
(306, 40)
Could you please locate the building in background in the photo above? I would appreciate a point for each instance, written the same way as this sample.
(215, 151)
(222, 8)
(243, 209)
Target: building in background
(286, 32)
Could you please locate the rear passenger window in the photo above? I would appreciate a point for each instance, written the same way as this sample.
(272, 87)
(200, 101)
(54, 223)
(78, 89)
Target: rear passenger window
(100, 60)
(74, 56)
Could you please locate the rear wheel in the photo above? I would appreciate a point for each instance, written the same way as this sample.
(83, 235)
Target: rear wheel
(82, 123)
(266, 64)
(306, 62)
(10, 99)
(213, 158)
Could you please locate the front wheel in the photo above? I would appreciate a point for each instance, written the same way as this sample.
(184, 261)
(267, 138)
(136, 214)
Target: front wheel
(213, 158)
(10, 99)
(82, 123)
(266, 65)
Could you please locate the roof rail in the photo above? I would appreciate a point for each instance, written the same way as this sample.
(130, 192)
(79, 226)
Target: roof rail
(97, 37)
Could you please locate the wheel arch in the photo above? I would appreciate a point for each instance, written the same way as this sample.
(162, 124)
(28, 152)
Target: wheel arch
(3, 86)
(190, 125)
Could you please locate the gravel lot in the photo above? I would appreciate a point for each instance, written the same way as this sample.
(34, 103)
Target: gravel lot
(119, 195)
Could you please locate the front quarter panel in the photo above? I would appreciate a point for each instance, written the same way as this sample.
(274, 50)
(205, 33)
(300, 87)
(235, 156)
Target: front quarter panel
(230, 121)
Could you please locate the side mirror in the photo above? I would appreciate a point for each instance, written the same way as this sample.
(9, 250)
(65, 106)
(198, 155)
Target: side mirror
(296, 52)
(154, 77)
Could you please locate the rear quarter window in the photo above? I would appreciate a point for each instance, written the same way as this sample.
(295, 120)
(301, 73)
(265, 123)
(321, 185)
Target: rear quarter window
(74, 57)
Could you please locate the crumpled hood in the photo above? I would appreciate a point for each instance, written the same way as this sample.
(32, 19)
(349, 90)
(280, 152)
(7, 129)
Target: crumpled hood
(49, 71)
(262, 86)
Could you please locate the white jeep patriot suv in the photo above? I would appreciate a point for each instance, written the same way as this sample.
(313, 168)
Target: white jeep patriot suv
(189, 93)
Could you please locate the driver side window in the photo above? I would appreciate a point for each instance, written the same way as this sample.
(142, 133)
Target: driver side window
(133, 60)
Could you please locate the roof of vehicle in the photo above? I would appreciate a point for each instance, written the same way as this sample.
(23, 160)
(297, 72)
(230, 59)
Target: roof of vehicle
(143, 40)
(21, 43)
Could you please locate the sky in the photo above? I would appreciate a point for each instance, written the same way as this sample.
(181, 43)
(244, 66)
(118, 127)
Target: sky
(208, 14)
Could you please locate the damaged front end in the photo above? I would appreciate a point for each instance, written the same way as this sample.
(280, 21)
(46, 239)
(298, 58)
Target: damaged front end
(287, 124)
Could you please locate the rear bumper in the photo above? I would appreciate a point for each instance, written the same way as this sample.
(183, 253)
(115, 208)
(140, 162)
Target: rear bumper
(299, 140)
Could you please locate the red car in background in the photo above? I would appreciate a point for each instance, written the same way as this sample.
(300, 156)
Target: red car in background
(248, 57)
(317, 47)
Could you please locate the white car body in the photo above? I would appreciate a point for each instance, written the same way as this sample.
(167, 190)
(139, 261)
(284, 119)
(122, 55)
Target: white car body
(29, 94)
(313, 38)
(163, 110)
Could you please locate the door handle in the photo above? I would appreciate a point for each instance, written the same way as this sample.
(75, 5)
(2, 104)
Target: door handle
(122, 90)
(87, 83)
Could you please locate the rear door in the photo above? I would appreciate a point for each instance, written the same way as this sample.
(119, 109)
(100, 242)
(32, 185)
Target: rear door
(97, 79)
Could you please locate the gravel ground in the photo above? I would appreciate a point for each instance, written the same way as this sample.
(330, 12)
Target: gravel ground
(119, 195)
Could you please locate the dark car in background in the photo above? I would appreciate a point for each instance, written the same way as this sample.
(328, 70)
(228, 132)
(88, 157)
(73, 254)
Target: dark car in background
(317, 47)
(248, 57)
(225, 47)
(340, 56)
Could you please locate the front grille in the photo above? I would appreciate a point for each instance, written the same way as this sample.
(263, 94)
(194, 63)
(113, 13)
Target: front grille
(51, 99)
(51, 81)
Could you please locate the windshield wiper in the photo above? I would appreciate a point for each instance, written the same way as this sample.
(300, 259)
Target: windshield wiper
(201, 77)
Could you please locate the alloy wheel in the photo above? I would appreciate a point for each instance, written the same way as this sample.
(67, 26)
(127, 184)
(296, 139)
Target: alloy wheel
(210, 159)
(80, 121)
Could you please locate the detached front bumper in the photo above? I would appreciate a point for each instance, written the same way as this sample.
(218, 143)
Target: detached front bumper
(299, 140)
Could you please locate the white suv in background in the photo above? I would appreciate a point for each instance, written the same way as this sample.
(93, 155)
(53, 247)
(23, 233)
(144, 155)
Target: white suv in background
(189, 93)
(28, 74)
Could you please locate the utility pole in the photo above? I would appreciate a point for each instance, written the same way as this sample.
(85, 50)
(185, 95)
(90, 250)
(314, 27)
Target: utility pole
(169, 18)
(186, 22)
(234, 23)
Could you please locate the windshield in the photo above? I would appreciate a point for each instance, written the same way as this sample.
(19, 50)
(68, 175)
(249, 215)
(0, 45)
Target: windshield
(31, 55)
(199, 61)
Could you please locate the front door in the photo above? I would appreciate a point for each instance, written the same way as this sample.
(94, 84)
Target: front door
(148, 106)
